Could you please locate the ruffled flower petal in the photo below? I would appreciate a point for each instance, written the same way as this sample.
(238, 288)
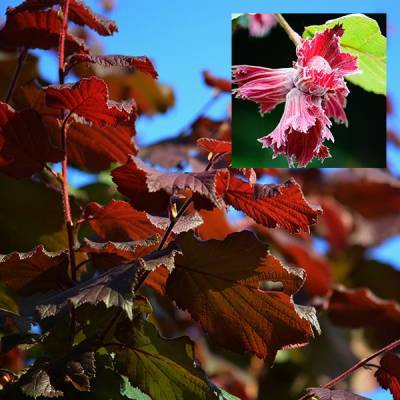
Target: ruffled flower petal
(265, 86)
(301, 147)
(326, 45)
(334, 104)
(298, 116)
(316, 82)
(301, 131)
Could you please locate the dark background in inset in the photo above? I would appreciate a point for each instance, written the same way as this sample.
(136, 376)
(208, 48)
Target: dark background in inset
(362, 144)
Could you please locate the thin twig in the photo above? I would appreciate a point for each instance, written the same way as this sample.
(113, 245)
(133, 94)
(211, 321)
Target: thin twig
(20, 64)
(356, 366)
(54, 173)
(293, 36)
(82, 263)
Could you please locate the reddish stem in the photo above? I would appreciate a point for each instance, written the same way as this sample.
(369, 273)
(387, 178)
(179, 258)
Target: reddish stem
(64, 163)
(20, 64)
(172, 224)
(61, 43)
(355, 367)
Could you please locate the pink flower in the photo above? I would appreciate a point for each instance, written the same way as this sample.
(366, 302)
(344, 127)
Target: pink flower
(261, 24)
(314, 90)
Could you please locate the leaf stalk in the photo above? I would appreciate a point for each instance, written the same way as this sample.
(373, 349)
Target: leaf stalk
(293, 35)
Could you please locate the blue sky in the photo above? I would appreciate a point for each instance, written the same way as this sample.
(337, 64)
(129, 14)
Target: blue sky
(185, 37)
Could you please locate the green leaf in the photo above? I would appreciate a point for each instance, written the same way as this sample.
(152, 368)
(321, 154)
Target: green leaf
(236, 15)
(227, 396)
(162, 368)
(7, 303)
(362, 38)
(132, 392)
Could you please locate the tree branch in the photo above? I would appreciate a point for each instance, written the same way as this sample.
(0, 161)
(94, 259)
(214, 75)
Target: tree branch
(356, 366)
(20, 64)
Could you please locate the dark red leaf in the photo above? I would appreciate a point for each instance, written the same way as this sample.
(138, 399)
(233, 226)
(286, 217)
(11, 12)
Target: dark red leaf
(89, 98)
(273, 206)
(360, 308)
(157, 280)
(90, 147)
(214, 146)
(78, 13)
(388, 375)
(371, 232)
(237, 286)
(119, 221)
(150, 190)
(34, 271)
(336, 221)
(224, 85)
(25, 146)
(358, 188)
(140, 63)
(37, 30)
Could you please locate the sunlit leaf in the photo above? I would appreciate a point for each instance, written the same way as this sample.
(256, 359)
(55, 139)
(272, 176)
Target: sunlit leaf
(89, 146)
(149, 189)
(80, 13)
(37, 30)
(89, 98)
(273, 206)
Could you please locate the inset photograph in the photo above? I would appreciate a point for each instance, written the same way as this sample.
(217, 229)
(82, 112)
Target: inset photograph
(309, 90)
